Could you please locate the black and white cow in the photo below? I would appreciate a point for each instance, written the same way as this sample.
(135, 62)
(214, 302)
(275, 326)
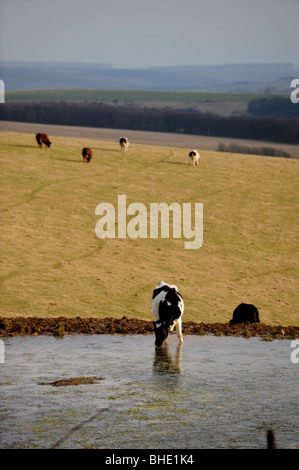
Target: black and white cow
(194, 157)
(124, 144)
(167, 308)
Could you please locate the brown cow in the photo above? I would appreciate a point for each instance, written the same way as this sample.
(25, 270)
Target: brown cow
(87, 154)
(42, 139)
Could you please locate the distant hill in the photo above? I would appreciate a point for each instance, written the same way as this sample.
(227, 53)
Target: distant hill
(242, 78)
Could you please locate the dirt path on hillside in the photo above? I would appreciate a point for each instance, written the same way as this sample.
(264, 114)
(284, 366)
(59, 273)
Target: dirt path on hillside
(141, 137)
(20, 326)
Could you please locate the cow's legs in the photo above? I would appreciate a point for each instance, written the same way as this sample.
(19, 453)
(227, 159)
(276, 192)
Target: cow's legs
(178, 328)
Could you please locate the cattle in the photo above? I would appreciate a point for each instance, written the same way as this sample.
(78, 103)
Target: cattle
(245, 313)
(194, 157)
(87, 154)
(124, 144)
(167, 309)
(42, 139)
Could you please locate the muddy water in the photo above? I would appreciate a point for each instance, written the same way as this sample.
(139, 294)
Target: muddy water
(213, 392)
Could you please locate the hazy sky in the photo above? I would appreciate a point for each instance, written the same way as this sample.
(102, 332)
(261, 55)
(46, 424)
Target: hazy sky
(145, 33)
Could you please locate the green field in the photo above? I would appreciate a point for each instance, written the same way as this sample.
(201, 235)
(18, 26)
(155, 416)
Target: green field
(92, 94)
(53, 264)
(219, 103)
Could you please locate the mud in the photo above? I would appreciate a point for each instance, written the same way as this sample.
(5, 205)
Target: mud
(74, 381)
(21, 326)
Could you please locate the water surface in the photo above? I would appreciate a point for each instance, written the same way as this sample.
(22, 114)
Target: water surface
(213, 392)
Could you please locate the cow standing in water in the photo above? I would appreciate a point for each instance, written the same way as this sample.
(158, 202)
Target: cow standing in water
(167, 309)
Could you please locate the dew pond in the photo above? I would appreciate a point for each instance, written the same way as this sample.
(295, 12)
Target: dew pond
(213, 392)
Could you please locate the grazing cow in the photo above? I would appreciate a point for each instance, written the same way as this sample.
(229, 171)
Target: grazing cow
(124, 144)
(245, 313)
(87, 154)
(194, 157)
(42, 139)
(167, 308)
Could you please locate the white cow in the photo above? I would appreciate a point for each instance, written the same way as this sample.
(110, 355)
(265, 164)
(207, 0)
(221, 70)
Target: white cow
(194, 157)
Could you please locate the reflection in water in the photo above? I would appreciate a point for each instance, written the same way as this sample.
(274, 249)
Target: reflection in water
(166, 363)
(219, 392)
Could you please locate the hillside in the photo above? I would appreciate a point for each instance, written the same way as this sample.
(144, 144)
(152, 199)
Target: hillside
(53, 264)
(237, 78)
(220, 103)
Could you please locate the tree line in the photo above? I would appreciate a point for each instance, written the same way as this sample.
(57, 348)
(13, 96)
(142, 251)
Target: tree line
(88, 114)
(267, 151)
(276, 106)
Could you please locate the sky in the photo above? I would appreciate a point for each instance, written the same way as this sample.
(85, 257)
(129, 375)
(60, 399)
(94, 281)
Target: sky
(148, 33)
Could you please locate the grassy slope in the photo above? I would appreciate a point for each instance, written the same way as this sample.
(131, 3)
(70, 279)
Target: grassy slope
(53, 264)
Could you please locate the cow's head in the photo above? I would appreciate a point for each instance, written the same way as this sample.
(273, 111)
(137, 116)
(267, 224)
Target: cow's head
(48, 143)
(161, 332)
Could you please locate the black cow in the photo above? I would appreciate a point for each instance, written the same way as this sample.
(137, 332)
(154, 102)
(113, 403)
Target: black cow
(245, 313)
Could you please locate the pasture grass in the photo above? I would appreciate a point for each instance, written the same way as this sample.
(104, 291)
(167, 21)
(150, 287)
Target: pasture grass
(52, 263)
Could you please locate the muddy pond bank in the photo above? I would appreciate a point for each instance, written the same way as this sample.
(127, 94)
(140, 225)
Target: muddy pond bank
(21, 326)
